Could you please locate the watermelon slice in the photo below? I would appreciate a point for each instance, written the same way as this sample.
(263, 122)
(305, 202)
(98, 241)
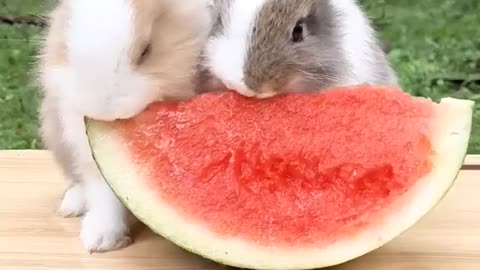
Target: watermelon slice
(296, 181)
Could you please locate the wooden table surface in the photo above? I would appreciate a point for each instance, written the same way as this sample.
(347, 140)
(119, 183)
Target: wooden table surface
(33, 237)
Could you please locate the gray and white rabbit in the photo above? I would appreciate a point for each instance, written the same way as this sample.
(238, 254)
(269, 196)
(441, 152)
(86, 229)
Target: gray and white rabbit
(264, 47)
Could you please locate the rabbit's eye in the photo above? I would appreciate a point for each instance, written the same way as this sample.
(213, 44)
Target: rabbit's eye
(144, 54)
(297, 33)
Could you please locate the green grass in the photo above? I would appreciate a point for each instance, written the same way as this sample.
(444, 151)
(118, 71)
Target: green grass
(18, 92)
(434, 47)
(18, 89)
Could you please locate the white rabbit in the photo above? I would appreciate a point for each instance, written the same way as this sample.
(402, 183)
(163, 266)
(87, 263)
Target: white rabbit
(108, 60)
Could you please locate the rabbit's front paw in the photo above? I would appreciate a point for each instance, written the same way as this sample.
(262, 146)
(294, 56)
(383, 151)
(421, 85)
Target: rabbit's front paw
(73, 202)
(103, 232)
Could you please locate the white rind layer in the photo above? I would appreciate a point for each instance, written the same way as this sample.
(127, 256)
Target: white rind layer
(450, 143)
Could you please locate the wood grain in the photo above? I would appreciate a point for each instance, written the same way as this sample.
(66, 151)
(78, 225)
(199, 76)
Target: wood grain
(33, 238)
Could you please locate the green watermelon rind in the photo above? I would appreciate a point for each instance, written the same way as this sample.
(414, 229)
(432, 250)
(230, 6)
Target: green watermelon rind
(109, 152)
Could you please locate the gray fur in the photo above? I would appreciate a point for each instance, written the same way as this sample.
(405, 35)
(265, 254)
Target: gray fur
(220, 8)
(272, 57)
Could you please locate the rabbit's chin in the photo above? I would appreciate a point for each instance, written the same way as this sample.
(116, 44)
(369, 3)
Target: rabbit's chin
(124, 99)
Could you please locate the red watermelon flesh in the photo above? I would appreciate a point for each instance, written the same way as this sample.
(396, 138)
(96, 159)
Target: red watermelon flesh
(284, 176)
(299, 171)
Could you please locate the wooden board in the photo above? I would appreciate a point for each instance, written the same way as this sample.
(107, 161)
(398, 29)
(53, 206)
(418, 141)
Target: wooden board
(32, 237)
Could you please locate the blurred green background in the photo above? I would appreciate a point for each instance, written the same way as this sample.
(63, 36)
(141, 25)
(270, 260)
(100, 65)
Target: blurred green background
(434, 46)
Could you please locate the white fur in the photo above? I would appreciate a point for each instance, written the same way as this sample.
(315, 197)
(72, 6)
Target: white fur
(108, 89)
(73, 203)
(356, 38)
(227, 53)
(99, 82)
(105, 225)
